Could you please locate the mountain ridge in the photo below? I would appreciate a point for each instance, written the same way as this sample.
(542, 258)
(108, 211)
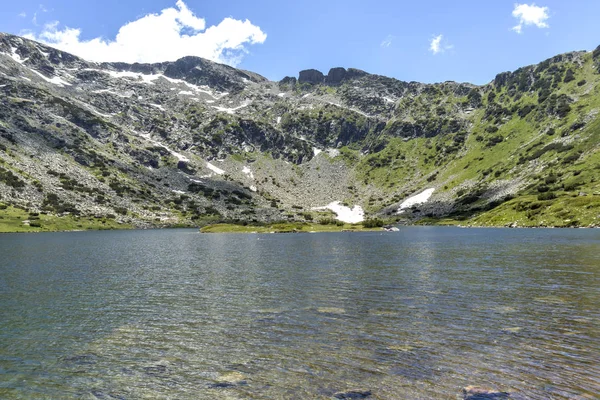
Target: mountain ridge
(192, 141)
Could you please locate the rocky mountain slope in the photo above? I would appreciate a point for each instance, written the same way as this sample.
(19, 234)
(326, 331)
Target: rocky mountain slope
(189, 142)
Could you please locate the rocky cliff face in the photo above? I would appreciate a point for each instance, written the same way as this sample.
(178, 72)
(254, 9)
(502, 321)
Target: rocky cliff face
(192, 141)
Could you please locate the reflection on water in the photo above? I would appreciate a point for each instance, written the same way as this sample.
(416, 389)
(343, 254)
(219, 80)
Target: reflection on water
(416, 314)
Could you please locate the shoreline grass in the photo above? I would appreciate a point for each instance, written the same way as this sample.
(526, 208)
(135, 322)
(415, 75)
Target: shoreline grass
(14, 220)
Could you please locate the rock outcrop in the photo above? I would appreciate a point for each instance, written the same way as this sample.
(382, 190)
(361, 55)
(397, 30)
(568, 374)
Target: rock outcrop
(311, 76)
(336, 76)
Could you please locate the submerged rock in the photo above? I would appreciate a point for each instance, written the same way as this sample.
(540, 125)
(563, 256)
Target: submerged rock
(221, 385)
(229, 380)
(82, 359)
(353, 394)
(483, 393)
(331, 310)
(154, 370)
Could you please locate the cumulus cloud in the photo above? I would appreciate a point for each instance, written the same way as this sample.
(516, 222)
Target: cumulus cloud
(438, 45)
(434, 46)
(530, 14)
(166, 36)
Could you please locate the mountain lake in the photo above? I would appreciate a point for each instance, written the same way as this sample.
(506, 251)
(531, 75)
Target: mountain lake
(415, 314)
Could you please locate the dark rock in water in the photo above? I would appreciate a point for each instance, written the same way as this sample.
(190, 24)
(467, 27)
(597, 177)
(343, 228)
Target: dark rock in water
(311, 76)
(225, 385)
(82, 359)
(353, 394)
(221, 385)
(156, 369)
(101, 395)
(483, 393)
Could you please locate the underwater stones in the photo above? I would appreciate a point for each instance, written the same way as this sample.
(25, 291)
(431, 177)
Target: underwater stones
(81, 359)
(229, 380)
(483, 393)
(154, 370)
(221, 385)
(99, 394)
(353, 394)
(331, 310)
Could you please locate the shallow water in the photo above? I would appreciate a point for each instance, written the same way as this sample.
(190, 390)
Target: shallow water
(415, 314)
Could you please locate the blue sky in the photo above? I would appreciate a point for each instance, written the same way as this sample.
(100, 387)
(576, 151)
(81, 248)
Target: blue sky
(480, 38)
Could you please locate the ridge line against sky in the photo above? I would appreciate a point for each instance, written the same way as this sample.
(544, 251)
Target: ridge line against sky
(430, 42)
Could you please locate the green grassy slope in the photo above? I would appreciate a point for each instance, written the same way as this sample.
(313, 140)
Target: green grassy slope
(522, 149)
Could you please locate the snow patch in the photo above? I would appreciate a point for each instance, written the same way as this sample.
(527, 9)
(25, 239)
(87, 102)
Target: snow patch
(149, 79)
(316, 151)
(248, 172)
(389, 100)
(178, 191)
(186, 93)
(234, 109)
(420, 198)
(333, 152)
(16, 57)
(278, 120)
(253, 188)
(54, 80)
(349, 215)
(177, 155)
(122, 74)
(161, 108)
(281, 94)
(215, 169)
(306, 95)
(125, 96)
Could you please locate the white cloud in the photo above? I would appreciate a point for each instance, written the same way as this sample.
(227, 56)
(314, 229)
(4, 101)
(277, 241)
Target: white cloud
(530, 15)
(387, 42)
(167, 36)
(434, 46)
(23, 14)
(439, 45)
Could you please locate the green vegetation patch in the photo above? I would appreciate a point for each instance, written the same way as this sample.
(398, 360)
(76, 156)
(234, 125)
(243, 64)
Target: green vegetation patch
(14, 219)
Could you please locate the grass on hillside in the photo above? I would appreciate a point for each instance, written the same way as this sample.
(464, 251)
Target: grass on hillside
(12, 220)
(566, 211)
